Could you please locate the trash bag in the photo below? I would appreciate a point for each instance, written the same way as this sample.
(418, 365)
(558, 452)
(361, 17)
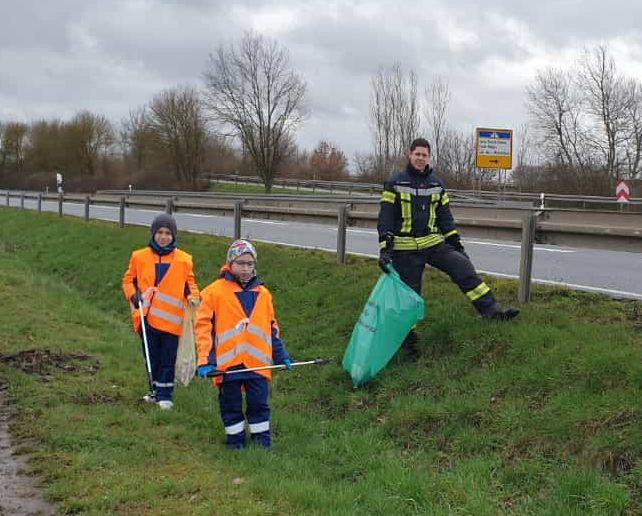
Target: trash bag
(186, 354)
(392, 309)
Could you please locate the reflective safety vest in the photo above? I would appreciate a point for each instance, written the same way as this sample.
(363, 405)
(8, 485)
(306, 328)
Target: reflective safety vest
(165, 306)
(415, 208)
(223, 328)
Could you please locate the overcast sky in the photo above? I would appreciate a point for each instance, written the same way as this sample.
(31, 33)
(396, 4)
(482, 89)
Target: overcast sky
(58, 57)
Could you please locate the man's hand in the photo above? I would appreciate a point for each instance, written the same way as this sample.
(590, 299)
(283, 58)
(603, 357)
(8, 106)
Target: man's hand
(136, 299)
(454, 241)
(385, 254)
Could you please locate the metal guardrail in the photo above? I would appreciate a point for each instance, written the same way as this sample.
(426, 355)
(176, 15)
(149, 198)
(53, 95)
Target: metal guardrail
(528, 225)
(539, 200)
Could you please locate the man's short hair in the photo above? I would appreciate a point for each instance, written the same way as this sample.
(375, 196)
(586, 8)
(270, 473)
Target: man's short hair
(419, 142)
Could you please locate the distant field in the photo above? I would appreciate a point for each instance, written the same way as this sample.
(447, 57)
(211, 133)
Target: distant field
(248, 188)
(542, 416)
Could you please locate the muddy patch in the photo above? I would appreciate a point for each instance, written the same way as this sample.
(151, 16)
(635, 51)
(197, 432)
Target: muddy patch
(19, 494)
(44, 362)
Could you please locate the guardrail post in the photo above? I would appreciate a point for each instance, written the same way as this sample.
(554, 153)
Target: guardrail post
(342, 225)
(39, 203)
(7, 197)
(121, 212)
(169, 206)
(22, 201)
(61, 198)
(526, 261)
(238, 207)
(87, 201)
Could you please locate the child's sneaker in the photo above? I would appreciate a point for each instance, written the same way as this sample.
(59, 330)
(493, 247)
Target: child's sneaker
(150, 398)
(165, 405)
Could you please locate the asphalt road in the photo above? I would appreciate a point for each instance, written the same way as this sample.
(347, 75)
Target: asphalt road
(617, 274)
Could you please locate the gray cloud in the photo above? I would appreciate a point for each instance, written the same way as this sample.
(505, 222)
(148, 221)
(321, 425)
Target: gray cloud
(112, 56)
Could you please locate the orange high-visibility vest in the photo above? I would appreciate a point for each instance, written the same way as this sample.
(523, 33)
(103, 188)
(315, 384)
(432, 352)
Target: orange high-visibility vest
(165, 308)
(222, 326)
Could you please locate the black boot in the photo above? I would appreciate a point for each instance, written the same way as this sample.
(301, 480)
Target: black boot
(409, 346)
(501, 314)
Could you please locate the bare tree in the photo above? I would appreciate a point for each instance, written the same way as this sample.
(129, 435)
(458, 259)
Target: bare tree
(437, 102)
(633, 150)
(177, 123)
(328, 162)
(394, 115)
(556, 112)
(137, 137)
(12, 146)
(252, 90)
(609, 100)
(458, 159)
(93, 135)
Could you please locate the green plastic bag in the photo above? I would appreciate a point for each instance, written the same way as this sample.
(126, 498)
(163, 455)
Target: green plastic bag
(392, 309)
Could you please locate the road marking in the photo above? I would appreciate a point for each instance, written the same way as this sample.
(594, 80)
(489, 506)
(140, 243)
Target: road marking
(572, 286)
(515, 246)
(367, 232)
(259, 221)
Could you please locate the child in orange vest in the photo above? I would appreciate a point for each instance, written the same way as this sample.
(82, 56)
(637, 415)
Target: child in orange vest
(161, 277)
(236, 329)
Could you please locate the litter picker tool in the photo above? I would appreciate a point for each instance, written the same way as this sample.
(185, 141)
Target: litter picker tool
(148, 364)
(316, 361)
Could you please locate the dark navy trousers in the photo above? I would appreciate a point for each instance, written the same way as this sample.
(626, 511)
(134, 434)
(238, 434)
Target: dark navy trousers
(162, 355)
(257, 411)
(410, 266)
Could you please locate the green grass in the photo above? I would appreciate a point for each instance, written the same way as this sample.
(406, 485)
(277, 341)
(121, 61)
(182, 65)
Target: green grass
(538, 417)
(258, 189)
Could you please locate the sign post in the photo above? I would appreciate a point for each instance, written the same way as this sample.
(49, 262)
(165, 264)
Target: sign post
(622, 192)
(493, 150)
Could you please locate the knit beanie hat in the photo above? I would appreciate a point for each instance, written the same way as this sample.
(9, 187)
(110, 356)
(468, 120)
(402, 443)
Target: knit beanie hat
(239, 247)
(164, 221)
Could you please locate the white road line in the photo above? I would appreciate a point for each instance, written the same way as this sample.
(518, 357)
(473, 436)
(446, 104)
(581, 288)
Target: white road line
(259, 221)
(573, 286)
(515, 246)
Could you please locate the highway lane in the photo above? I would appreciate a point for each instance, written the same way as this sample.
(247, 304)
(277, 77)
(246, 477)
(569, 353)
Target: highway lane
(616, 274)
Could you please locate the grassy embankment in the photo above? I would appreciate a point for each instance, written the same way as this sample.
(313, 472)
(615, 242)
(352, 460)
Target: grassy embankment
(258, 189)
(538, 417)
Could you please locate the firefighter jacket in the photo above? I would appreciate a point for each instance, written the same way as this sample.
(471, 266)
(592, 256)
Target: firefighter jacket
(236, 327)
(415, 209)
(164, 297)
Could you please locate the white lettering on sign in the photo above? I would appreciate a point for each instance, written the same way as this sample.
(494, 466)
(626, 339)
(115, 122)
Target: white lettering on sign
(494, 147)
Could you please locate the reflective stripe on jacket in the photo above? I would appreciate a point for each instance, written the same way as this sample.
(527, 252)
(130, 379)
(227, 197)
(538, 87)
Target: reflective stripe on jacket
(165, 306)
(223, 329)
(415, 208)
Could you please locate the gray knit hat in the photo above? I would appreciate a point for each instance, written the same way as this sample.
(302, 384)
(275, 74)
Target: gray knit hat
(164, 221)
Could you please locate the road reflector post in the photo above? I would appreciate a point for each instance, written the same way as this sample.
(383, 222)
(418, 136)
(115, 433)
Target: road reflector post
(61, 198)
(342, 219)
(238, 211)
(87, 201)
(121, 213)
(526, 260)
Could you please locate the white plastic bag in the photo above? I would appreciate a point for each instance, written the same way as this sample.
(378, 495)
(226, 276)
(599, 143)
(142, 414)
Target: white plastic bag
(186, 355)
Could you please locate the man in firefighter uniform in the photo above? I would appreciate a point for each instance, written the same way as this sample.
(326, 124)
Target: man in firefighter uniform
(236, 328)
(416, 227)
(161, 277)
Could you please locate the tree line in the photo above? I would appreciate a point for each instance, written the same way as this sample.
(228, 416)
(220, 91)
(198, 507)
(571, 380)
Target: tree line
(584, 131)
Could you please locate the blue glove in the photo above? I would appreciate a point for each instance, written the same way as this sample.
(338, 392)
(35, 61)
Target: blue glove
(288, 364)
(205, 370)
